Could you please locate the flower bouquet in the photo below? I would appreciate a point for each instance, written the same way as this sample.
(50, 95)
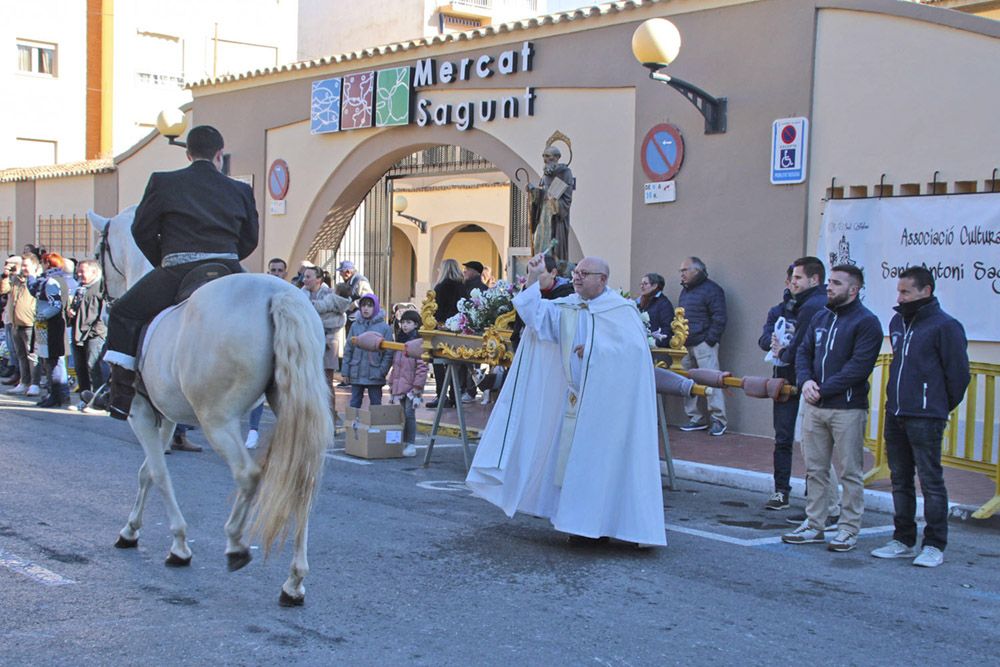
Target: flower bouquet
(479, 332)
(480, 310)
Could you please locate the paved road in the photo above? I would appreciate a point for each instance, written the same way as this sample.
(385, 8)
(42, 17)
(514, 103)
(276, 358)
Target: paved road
(408, 568)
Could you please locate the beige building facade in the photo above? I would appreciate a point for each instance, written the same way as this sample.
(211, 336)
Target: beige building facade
(880, 82)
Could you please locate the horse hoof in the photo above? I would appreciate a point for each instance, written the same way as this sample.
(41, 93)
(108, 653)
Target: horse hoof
(287, 600)
(123, 543)
(238, 559)
(173, 560)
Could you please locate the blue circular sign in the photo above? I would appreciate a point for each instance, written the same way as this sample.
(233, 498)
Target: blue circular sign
(662, 152)
(278, 180)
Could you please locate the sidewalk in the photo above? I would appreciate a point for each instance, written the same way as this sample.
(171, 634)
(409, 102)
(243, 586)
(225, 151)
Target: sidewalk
(741, 461)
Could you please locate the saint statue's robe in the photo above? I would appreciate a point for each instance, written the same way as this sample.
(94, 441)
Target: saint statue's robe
(551, 200)
(574, 439)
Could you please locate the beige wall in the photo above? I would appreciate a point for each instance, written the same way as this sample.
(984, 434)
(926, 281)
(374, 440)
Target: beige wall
(44, 107)
(354, 26)
(941, 115)
(7, 207)
(64, 196)
(445, 211)
(135, 168)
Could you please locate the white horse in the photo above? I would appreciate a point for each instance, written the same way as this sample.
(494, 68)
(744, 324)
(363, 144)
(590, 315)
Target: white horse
(237, 338)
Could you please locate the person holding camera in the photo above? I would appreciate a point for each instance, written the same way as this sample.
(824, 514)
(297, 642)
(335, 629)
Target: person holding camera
(21, 303)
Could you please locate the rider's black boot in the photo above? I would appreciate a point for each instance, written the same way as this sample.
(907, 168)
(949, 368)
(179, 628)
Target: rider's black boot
(122, 391)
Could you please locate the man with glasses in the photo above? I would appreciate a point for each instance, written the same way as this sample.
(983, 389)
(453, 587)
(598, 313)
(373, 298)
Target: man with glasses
(573, 434)
(704, 304)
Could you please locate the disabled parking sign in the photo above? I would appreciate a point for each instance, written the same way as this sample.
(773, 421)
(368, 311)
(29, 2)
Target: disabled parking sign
(789, 142)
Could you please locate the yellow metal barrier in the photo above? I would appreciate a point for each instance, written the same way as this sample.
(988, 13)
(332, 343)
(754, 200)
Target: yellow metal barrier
(966, 446)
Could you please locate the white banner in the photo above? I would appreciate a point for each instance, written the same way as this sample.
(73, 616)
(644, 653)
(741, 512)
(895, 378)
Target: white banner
(957, 237)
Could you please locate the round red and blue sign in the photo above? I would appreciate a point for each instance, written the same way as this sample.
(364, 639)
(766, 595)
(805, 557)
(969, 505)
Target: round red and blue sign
(278, 180)
(788, 134)
(662, 152)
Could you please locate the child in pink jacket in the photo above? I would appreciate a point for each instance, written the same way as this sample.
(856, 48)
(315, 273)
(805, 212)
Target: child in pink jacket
(407, 379)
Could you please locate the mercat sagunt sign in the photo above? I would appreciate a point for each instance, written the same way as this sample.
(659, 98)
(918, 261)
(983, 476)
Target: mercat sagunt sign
(386, 98)
(957, 237)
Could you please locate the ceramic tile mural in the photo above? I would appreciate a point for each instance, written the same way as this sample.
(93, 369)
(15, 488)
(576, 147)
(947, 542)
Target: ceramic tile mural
(356, 106)
(325, 113)
(392, 97)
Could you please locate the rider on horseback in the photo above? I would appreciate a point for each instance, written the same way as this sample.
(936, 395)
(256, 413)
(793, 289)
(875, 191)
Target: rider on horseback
(186, 218)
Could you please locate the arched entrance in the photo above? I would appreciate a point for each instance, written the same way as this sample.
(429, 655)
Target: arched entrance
(356, 201)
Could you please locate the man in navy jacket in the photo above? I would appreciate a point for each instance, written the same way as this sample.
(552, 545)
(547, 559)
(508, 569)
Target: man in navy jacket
(805, 296)
(832, 367)
(927, 380)
(704, 304)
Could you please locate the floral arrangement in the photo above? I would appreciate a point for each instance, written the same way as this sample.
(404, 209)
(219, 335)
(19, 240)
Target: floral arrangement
(480, 309)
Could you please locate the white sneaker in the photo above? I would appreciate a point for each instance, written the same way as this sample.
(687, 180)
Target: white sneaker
(929, 557)
(894, 549)
(252, 438)
(410, 450)
(32, 390)
(19, 389)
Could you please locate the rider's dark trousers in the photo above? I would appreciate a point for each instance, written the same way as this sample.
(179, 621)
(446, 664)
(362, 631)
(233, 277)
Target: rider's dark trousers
(156, 291)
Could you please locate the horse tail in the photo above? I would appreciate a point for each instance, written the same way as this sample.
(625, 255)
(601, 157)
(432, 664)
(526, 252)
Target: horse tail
(293, 466)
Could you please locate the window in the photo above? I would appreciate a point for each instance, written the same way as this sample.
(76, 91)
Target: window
(36, 57)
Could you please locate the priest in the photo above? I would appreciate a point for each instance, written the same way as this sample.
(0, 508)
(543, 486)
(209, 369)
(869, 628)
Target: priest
(573, 435)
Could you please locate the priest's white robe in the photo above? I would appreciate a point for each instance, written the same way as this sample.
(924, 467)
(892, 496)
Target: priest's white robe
(597, 477)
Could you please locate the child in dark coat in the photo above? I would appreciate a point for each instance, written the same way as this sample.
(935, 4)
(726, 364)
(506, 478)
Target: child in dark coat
(367, 370)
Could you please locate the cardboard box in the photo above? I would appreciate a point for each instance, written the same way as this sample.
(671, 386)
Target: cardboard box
(375, 432)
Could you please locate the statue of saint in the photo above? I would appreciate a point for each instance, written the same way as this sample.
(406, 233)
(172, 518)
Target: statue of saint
(551, 199)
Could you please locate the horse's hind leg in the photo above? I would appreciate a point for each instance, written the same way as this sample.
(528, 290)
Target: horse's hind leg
(154, 441)
(293, 593)
(128, 537)
(226, 440)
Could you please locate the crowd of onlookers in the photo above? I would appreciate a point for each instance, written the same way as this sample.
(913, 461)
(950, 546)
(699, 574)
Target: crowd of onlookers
(52, 310)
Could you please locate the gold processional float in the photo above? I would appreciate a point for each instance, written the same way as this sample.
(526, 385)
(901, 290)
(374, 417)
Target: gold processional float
(493, 347)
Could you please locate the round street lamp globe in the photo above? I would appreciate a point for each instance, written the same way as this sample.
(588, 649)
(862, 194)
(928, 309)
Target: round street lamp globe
(171, 123)
(399, 203)
(656, 41)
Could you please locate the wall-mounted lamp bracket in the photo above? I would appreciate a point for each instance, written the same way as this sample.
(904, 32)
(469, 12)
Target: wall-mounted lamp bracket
(712, 108)
(421, 224)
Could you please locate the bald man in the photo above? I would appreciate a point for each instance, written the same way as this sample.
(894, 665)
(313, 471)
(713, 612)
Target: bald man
(573, 434)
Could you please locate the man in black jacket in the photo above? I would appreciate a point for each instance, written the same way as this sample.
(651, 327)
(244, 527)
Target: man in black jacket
(473, 273)
(805, 296)
(186, 218)
(927, 380)
(704, 304)
(89, 331)
(832, 367)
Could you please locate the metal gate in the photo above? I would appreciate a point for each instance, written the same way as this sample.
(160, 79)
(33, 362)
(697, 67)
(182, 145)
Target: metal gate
(366, 240)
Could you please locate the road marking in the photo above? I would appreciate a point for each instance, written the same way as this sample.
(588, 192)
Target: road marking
(347, 459)
(444, 485)
(759, 541)
(31, 570)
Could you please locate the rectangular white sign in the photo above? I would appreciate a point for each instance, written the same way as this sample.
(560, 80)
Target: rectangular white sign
(660, 193)
(789, 145)
(278, 207)
(957, 237)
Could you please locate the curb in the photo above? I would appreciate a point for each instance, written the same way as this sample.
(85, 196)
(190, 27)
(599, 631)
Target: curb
(763, 483)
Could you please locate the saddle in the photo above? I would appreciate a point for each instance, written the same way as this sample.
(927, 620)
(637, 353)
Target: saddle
(198, 276)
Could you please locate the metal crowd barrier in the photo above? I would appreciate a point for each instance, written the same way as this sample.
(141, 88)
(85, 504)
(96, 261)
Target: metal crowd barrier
(970, 440)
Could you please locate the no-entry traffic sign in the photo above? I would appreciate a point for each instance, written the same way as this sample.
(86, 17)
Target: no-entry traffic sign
(662, 152)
